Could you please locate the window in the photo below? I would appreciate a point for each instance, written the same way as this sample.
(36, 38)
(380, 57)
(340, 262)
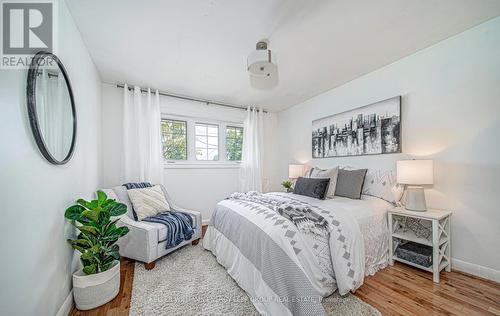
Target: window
(174, 139)
(190, 142)
(234, 143)
(207, 141)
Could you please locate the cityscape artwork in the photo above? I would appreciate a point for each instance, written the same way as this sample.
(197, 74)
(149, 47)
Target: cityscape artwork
(368, 130)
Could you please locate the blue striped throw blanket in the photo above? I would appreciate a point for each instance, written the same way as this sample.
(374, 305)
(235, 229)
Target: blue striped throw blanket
(179, 226)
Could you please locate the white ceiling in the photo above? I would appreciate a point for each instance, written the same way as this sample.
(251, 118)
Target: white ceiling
(199, 48)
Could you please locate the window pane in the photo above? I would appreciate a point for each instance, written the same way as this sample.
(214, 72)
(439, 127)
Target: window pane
(201, 142)
(213, 154)
(201, 153)
(207, 141)
(200, 129)
(234, 142)
(174, 139)
(213, 130)
(179, 127)
(213, 141)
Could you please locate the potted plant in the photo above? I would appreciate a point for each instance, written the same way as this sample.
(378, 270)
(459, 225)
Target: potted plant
(287, 185)
(98, 282)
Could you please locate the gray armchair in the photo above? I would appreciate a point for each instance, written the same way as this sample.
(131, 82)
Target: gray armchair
(145, 241)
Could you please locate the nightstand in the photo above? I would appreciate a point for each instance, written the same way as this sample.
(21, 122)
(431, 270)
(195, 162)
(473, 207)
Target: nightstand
(437, 222)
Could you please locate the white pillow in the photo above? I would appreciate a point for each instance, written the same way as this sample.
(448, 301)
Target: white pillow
(382, 184)
(331, 173)
(148, 201)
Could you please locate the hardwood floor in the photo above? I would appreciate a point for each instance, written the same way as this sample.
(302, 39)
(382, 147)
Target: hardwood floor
(404, 290)
(396, 290)
(121, 303)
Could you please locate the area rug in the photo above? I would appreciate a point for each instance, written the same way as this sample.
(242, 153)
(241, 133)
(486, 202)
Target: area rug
(189, 281)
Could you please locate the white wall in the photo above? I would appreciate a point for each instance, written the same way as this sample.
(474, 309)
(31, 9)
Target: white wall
(450, 113)
(36, 261)
(193, 187)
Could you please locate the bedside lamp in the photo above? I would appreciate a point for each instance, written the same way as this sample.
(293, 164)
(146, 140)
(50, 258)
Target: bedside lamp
(415, 173)
(295, 171)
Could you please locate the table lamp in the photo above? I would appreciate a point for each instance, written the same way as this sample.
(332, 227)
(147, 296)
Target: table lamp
(415, 173)
(295, 171)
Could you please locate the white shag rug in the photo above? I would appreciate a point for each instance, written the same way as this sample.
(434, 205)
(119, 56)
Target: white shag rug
(190, 281)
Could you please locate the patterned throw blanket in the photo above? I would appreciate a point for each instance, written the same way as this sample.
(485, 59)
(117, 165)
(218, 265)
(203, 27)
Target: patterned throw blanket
(301, 214)
(179, 226)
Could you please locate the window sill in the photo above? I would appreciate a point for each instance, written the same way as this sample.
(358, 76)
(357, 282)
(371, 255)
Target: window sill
(187, 165)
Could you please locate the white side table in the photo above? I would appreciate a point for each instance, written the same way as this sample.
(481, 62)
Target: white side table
(439, 240)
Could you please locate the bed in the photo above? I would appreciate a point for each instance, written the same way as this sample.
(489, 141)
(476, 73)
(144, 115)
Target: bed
(287, 271)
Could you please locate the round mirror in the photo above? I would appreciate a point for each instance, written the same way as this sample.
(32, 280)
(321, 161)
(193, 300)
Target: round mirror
(51, 108)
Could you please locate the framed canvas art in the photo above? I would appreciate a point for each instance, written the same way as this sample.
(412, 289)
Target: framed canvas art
(368, 130)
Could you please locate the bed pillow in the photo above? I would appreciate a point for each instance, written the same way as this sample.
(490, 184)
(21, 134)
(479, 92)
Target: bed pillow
(148, 201)
(331, 174)
(313, 187)
(382, 184)
(350, 183)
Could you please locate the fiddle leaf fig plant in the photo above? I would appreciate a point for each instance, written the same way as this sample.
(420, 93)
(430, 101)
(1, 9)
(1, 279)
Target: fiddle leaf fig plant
(98, 231)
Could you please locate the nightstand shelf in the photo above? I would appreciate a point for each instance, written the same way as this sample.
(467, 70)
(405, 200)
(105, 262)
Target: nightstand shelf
(411, 236)
(437, 223)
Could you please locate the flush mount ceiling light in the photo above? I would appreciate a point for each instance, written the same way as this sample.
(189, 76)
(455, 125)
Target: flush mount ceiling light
(262, 67)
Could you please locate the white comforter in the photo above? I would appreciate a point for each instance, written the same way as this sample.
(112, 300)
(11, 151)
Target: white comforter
(371, 215)
(259, 247)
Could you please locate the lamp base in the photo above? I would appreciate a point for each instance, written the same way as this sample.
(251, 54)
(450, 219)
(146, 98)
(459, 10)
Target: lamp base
(415, 199)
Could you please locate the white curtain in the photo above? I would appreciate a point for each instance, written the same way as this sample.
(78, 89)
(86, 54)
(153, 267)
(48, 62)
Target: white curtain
(141, 136)
(252, 155)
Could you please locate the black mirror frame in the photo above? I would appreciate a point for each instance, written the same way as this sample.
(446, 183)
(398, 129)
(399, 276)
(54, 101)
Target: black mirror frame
(31, 102)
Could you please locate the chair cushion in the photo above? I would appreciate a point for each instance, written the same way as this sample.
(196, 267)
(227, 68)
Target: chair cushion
(162, 229)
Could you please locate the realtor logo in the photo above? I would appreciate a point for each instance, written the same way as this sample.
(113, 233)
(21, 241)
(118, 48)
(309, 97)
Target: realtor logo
(27, 28)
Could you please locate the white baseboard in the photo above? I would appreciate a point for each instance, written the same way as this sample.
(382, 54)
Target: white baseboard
(67, 305)
(475, 269)
(205, 222)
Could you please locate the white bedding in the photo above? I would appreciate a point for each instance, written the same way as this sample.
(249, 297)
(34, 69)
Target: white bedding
(371, 214)
(251, 241)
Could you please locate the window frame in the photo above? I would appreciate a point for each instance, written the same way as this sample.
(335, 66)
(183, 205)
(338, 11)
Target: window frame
(191, 162)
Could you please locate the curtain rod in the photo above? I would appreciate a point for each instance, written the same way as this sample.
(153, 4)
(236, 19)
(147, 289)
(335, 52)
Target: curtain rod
(183, 97)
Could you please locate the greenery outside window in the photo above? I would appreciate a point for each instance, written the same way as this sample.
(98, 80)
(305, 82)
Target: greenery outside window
(234, 143)
(174, 139)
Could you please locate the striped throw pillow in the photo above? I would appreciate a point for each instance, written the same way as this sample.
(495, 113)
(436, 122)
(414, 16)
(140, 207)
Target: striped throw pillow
(148, 201)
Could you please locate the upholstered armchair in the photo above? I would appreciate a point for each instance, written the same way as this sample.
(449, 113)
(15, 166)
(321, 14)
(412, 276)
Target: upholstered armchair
(145, 241)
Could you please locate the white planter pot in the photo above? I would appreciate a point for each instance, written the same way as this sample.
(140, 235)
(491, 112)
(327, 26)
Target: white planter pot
(91, 291)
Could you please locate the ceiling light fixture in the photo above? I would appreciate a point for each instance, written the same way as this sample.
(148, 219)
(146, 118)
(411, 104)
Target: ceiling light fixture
(261, 62)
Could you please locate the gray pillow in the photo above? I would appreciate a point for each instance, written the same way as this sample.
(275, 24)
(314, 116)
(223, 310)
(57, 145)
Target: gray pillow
(331, 173)
(350, 183)
(313, 187)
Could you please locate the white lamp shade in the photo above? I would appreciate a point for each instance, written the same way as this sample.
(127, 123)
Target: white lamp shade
(295, 171)
(415, 172)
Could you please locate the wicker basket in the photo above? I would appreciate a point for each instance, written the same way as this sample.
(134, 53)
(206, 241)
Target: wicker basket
(91, 291)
